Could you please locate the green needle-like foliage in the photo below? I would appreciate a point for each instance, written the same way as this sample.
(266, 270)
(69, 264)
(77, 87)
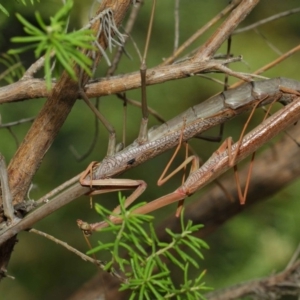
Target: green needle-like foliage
(144, 265)
(53, 41)
(13, 68)
(31, 1)
(2, 8)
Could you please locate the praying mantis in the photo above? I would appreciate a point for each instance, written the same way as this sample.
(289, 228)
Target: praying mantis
(188, 124)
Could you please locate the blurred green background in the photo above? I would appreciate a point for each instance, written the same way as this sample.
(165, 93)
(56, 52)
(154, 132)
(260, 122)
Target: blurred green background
(256, 243)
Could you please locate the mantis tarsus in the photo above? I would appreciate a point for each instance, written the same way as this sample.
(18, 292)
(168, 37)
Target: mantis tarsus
(189, 124)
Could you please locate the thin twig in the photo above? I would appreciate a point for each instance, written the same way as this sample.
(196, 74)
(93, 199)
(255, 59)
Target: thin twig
(46, 198)
(153, 112)
(293, 258)
(267, 20)
(84, 257)
(128, 28)
(228, 71)
(10, 70)
(94, 140)
(278, 60)
(271, 64)
(176, 23)
(197, 34)
(240, 12)
(37, 65)
(6, 194)
(14, 136)
(271, 45)
(15, 123)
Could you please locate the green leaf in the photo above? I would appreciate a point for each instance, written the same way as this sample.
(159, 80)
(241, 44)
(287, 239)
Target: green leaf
(28, 25)
(52, 41)
(147, 275)
(174, 260)
(47, 69)
(31, 1)
(63, 12)
(4, 10)
(25, 39)
(40, 21)
(13, 67)
(100, 247)
(194, 248)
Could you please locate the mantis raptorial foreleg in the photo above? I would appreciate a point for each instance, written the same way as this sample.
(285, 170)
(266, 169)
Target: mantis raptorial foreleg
(108, 185)
(190, 123)
(163, 201)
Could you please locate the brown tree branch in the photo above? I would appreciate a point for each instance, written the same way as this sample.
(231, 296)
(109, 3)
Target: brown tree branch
(272, 287)
(31, 155)
(200, 31)
(44, 129)
(74, 189)
(52, 116)
(224, 31)
(36, 88)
